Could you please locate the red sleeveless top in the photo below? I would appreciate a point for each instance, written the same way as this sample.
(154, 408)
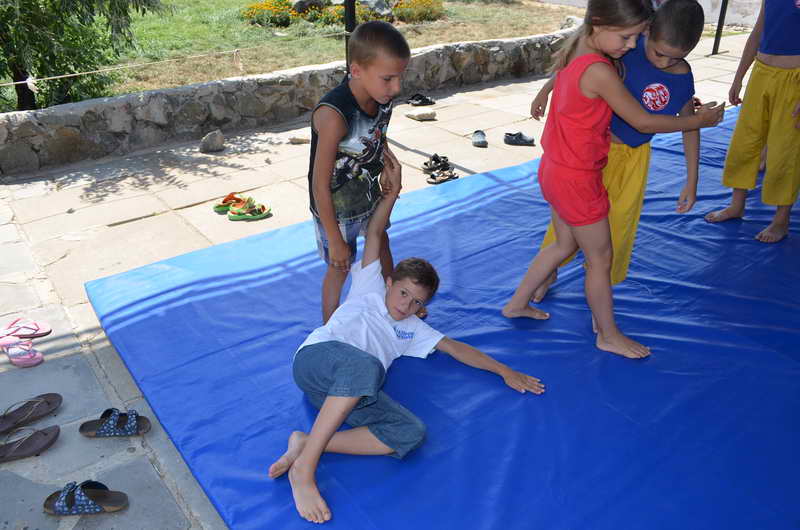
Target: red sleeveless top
(576, 134)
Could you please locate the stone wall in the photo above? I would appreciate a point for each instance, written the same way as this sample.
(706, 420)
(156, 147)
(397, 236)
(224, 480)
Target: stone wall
(63, 134)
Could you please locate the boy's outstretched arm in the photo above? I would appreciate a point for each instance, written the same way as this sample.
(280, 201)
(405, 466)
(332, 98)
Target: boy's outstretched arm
(470, 356)
(691, 151)
(377, 223)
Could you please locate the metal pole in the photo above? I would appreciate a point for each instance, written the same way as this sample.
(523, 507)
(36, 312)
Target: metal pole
(720, 23)
(350, 25)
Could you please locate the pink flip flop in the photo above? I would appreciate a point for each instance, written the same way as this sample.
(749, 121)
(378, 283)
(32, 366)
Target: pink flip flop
(20, 352)
(26, 328)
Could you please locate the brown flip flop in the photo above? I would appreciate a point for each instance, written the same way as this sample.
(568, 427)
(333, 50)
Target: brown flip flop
(87, 498)
(32, 443)
(28, 411)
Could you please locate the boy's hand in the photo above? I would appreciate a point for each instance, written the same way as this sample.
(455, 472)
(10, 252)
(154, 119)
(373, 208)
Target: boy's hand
(523, 383)
(733, 93)
(391, 177)
(339, 254)
(686, 200)
(710, 114)
(539, 105)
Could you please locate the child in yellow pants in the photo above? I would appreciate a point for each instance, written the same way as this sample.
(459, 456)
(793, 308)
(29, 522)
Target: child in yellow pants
(770, 116)
(656, 73)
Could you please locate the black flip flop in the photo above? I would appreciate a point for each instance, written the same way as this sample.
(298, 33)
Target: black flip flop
(435, 163)
(442, 176)
(518, 138)
(420, 100)
(28, 411)
(479, 139)
(32, 443)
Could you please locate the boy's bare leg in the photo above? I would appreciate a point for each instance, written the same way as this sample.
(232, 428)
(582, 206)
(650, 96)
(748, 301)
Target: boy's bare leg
(778, 228)
(541, 291)
(539, 270)
(595, 241)
(735, 209)
(357, 441)
(332, 291)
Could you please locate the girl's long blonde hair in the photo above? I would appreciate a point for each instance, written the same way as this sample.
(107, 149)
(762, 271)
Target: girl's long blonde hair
(616, 13)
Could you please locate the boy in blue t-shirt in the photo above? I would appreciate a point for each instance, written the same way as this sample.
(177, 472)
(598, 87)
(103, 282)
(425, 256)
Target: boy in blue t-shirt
(658, 76)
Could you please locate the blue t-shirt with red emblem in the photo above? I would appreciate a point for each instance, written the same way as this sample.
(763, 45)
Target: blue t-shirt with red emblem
(659, 92)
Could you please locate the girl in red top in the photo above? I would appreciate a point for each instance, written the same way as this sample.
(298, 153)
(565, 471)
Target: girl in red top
(576, 141)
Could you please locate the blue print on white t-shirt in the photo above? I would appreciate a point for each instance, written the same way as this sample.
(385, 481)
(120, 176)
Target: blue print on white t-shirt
(403, 334)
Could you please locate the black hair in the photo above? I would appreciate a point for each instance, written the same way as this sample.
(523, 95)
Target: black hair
(678, 23)
(418, 271)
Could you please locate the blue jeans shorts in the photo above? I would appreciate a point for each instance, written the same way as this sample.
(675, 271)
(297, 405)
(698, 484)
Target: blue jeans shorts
(350, 230)
(337, 369)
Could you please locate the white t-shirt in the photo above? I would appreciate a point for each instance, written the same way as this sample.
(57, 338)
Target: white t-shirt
(364, 322)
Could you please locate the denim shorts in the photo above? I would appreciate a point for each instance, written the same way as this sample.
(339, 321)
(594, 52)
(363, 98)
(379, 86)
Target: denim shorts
(337, 369)
(350, 230)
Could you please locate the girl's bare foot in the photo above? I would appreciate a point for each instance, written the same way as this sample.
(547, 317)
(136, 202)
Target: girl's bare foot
(309, 503)
(297, 440)
(541, 291)
(622, 345)
(773, 233)
(527, 312)
(594, 325)
(720, 216)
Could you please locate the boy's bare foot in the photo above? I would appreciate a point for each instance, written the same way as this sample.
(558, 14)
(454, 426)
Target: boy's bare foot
(720, 216)
(622, 345)
(297, 440)
(527, 312)
(309, 503)
(773, 233)
(541, 291)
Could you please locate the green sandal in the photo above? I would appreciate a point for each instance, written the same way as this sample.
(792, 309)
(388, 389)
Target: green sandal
(249, 211)
(229, 202)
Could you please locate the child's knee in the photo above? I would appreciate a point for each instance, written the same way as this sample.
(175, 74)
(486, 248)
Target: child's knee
(415, 433)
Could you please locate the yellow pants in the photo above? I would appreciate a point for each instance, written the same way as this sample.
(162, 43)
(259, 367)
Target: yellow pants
(625, 178)
(766, 117)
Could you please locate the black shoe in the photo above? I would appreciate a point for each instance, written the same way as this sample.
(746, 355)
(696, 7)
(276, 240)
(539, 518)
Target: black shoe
(518, 138)
(420, 100)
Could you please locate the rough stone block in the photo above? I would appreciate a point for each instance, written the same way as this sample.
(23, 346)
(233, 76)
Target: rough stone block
(18, 156)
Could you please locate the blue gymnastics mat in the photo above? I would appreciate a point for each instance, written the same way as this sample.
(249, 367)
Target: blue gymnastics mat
(701, 435)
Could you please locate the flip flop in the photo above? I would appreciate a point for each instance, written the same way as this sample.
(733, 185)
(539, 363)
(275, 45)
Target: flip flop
(21, 352)
(29, 411)
(227, 202)
(518, 138)
(87, 498)
(435, 163)
(440, 177)
(420, 100)
(32, 444)
(479, 139)
(250, 212)
(115, 423)
(26, 328)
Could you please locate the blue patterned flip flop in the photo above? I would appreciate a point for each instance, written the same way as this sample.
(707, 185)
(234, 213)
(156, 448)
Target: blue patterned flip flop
(88, 497)
(115, 423)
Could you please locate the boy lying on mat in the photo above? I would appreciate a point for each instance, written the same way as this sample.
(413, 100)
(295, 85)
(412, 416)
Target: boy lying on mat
(341, 366)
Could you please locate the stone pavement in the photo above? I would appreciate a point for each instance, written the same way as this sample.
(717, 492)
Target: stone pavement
(61, 228)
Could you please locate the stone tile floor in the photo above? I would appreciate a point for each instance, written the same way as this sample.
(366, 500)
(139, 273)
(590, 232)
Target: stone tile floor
(63, 227)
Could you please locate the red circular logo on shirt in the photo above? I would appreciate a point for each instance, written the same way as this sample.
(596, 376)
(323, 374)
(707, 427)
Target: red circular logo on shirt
(656, 96)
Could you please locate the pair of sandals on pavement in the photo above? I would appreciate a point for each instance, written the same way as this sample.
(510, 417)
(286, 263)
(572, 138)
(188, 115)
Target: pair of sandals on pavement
(439, 169)
(240, 208)
(16, 341)
(515, 138)
(88, 497)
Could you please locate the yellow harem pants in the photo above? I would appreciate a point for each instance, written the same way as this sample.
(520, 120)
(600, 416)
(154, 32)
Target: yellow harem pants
(766, 117)
(625, 179)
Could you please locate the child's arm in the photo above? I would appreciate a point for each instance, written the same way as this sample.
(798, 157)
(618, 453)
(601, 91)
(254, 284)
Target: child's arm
(691, 150)
(477, 359)
(331, 128)
(377, 223)
(539, 103)
(748, 56)
(602, 80)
